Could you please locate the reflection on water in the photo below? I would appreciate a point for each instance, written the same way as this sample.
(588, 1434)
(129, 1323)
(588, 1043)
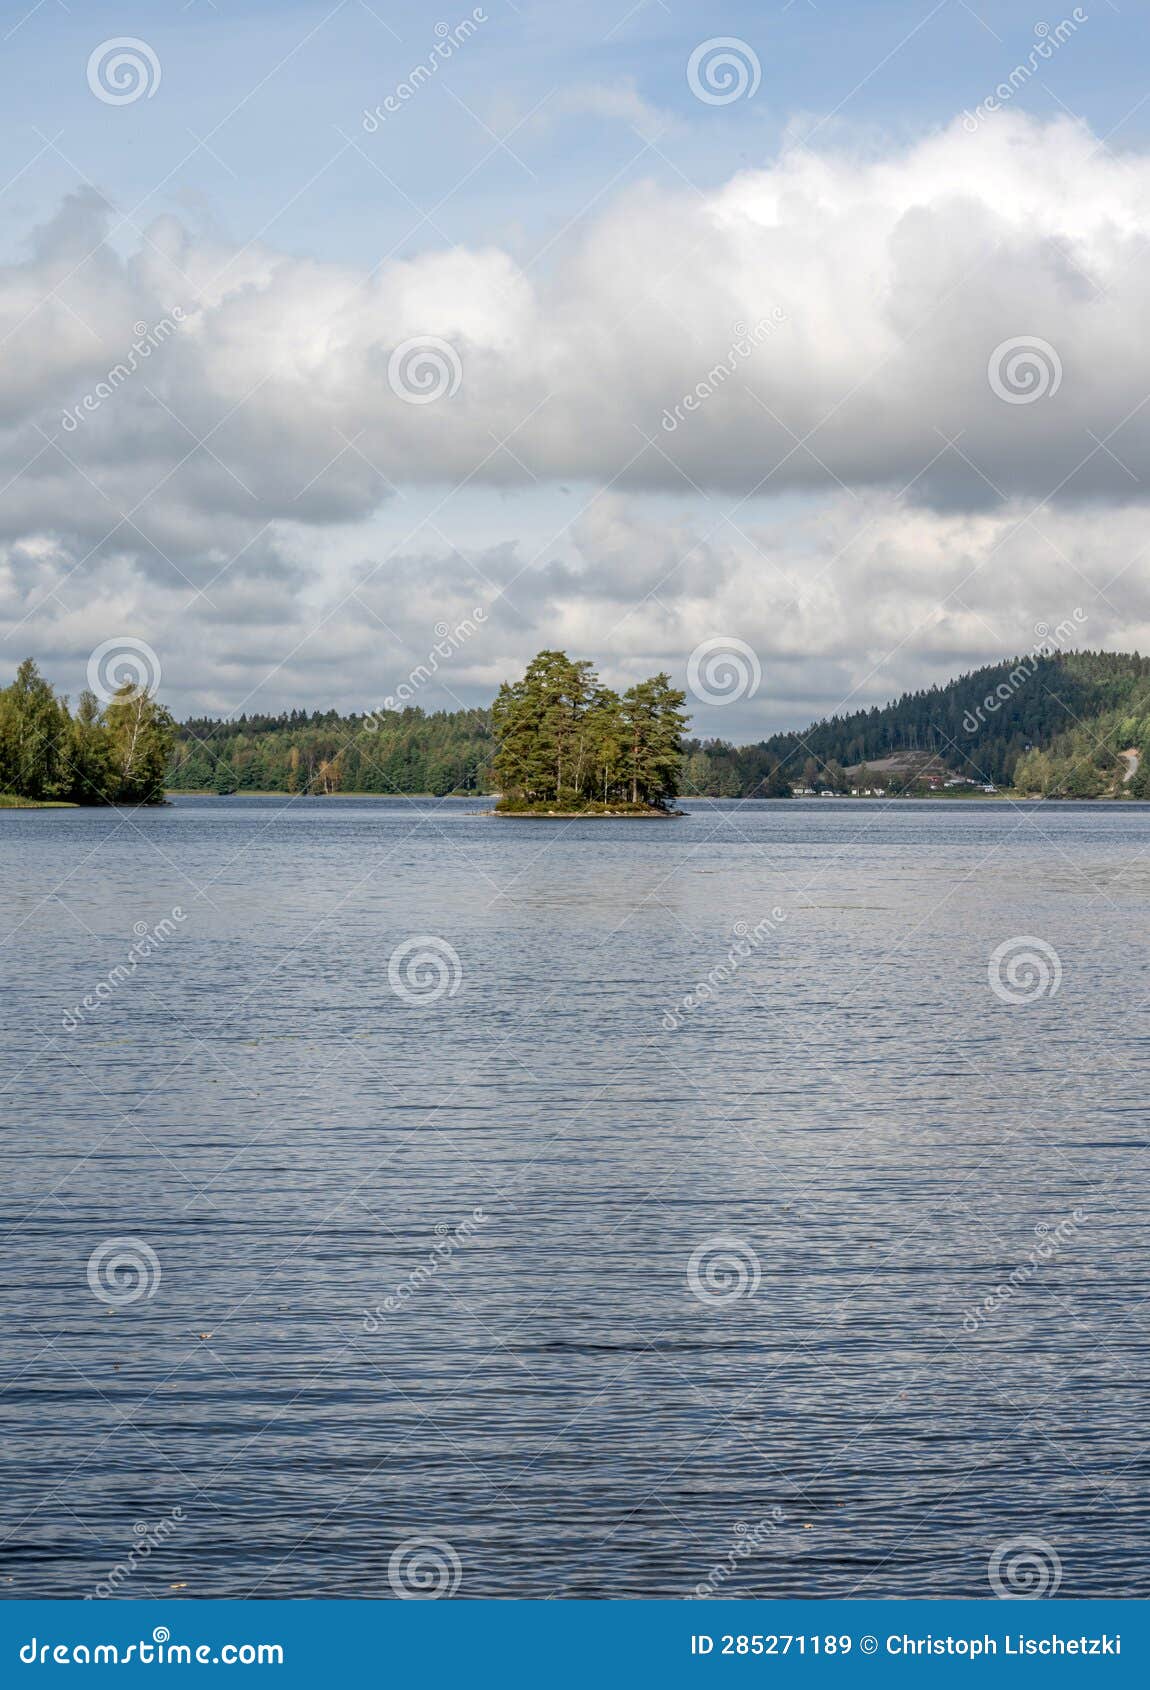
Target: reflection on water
(736, 1197)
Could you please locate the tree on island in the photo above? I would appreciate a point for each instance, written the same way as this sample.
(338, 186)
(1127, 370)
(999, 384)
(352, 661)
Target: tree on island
(118, 754)
(564, 739)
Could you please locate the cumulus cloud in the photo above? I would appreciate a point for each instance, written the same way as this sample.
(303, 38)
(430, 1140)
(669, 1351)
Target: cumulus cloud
(845, 606)
(945, 350)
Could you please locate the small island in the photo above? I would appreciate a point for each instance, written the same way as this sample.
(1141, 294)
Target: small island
(566, 745)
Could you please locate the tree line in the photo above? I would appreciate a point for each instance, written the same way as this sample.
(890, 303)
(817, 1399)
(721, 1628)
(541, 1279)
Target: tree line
(322, 752)
(112, 753)
(980, 724)
(1054, 725)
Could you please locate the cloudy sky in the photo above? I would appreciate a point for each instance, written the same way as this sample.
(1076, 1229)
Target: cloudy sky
(813, 329)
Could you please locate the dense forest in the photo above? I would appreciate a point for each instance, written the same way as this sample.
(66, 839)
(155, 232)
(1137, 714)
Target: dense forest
(115, 753)
(978, 725)
(982, 725)
(1053, 724)
(564, 739)
(402, 751)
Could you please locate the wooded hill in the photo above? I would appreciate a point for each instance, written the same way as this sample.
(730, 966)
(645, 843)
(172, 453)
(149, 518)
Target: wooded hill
(1081, 709)
(1055, 725)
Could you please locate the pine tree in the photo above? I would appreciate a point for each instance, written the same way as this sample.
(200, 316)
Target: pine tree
(653, 721)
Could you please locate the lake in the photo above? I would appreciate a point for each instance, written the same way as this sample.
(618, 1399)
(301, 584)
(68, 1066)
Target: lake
(753, 1204)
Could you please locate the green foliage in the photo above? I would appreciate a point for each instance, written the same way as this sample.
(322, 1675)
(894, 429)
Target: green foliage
(399, 752)
(1054, 726)
(983, 724)
(980, 725)
(33, 737)
(118, 755)
(563, 738)
(141, 734)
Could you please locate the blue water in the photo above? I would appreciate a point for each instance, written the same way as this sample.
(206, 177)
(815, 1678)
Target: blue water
(853, 1135)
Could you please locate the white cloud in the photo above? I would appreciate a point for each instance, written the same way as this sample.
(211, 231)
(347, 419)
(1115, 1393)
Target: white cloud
(845, 606)
(264, 429)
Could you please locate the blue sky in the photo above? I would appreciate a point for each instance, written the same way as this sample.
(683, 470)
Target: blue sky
(587, 237)
(275, 87)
